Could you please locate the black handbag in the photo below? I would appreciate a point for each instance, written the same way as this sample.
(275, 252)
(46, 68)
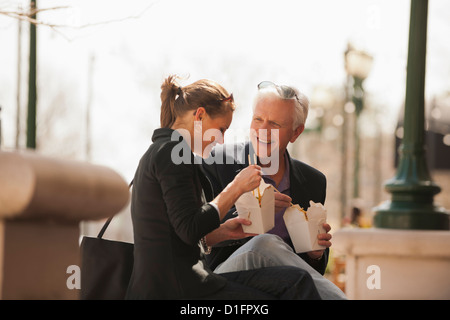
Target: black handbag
(106, 267)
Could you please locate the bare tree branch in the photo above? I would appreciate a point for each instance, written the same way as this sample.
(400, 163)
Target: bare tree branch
(27, 15)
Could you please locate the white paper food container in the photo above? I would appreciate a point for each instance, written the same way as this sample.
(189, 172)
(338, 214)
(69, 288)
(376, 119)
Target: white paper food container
(304, 232)
(262, 218)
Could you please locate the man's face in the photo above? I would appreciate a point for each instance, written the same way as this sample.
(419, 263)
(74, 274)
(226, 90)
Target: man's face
(272, 126)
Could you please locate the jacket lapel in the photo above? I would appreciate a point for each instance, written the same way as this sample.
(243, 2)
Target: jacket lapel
(298, 186)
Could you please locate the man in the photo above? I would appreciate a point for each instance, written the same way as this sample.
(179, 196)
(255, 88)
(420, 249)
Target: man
(279, 116)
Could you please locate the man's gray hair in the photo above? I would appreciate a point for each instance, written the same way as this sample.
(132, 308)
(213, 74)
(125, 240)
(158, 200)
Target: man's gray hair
(301, 103)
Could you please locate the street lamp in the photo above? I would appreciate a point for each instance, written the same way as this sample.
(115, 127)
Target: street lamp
(357, 65)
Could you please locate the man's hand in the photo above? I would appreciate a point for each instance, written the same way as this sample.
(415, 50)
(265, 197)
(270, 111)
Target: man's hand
(324, 240)
(282, 201)
(229, 230)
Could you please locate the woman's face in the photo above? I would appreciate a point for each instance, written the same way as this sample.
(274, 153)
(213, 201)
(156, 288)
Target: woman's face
(212, 132)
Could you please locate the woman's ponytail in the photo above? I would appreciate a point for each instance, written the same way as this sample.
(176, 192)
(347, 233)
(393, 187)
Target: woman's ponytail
(169, 91)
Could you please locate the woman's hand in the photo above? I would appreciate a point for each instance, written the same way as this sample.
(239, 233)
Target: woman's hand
(248, 178)
(229, 230)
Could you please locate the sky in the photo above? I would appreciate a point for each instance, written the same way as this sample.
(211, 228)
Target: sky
(110, 57)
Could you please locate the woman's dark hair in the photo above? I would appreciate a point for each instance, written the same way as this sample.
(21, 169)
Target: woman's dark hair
(177, 100)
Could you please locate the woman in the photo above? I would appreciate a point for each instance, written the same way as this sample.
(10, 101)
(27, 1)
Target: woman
(171, 216)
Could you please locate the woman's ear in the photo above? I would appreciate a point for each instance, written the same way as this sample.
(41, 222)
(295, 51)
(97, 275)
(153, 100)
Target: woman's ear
(199, 114)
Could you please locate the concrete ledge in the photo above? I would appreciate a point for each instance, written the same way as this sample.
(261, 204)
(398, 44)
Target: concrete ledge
(425, 243)
(42, 201)
(34, 186)
(404, 264)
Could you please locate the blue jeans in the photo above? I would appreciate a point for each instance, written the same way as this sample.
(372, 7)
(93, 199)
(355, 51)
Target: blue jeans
(268, 250)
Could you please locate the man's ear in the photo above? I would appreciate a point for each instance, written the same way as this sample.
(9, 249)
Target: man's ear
(297, 133)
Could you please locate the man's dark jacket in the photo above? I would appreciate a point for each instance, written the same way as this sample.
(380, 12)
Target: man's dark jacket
(306, 183)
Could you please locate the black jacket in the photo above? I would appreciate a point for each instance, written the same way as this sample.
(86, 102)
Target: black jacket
(169, 218)
(306, 183)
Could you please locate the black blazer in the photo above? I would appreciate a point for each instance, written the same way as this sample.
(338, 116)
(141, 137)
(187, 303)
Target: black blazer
(306, 183)
(169, 218)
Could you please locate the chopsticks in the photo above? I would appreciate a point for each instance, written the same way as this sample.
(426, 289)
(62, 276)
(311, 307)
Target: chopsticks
(253, 191)
(255, 162)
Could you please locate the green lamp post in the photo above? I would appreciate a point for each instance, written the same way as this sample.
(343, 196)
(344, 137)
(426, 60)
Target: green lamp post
(412, 205)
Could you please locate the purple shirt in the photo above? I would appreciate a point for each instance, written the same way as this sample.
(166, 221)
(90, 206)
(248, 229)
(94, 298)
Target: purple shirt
(283, 187)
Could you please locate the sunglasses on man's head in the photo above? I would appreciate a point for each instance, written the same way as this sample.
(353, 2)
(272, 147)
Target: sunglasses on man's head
(285, 92)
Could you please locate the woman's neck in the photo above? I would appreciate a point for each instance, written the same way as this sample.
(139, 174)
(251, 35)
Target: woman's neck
(185, 130)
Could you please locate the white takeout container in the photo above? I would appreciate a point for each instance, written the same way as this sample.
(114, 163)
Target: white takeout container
(304, 232)
(262, 218)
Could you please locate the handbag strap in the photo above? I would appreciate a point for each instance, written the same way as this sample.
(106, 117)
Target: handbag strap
(105, 226)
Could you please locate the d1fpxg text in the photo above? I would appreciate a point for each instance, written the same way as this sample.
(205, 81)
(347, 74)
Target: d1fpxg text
(235, 309)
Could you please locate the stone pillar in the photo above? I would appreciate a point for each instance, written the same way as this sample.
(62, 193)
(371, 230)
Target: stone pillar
(42, 202)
